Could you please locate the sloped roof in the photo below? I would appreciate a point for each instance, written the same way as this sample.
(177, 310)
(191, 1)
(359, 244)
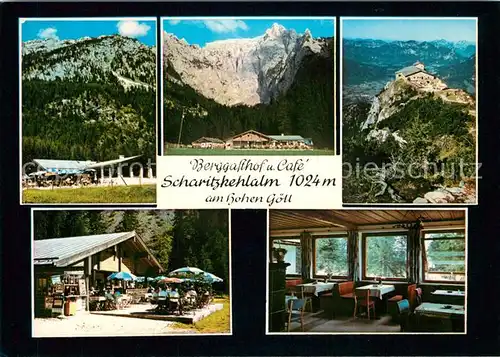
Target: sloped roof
(74, 166)
(62, 252)
(411, 70)
(286, 137)
(250, 131)
(408, 71)
(111, 162)
(210, 140)
(48, 164)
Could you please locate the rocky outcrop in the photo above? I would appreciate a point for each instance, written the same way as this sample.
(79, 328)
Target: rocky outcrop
(242, 71)
(445, 195)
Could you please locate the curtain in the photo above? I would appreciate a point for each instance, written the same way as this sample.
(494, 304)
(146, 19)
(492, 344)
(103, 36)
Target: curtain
(306, 255)
(413, 253)
(353, 255)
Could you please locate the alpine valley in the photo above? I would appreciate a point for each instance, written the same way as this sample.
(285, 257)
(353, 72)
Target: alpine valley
(409, 112)
(281, 82)
(88, 99)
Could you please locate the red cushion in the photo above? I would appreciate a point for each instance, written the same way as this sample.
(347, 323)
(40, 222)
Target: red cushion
(348, 296)
(346, 288)
(293, 282)
(396, 298)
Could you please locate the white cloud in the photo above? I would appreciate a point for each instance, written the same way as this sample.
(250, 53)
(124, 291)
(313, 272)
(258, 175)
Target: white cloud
(174, 22)
(132, 29)
(47, 33)
(224, 26)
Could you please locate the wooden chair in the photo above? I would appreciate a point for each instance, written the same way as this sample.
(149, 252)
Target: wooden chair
(362, 298)
(296, 309)
(392, 301)
(307, 297)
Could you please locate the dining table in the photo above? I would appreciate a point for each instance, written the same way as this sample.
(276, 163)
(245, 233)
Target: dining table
(453, 297)
(440, 310)
(316, 288)
(455, 293)
(452, 317)
(378, 290)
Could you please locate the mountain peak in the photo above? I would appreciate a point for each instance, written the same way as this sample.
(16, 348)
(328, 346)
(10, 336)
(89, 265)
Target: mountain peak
(276, 30)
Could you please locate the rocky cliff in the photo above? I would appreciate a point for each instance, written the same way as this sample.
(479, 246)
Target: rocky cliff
(421, 140)
(241, 71)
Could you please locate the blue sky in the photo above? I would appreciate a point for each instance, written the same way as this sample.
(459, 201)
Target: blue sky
(143, 31)
(201, 31)
(409, 29)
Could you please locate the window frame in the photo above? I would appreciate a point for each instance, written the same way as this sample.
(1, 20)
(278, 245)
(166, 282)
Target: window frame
(364, 238)
(271, 258)
(338, 236)
(423, 256)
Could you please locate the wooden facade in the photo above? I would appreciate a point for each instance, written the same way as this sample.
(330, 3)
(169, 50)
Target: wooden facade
(248, 140)
(252, 139)
(94, 262)
(208, 143)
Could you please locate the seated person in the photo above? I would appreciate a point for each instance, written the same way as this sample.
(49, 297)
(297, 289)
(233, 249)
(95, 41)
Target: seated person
(163, 294)
(173, 294)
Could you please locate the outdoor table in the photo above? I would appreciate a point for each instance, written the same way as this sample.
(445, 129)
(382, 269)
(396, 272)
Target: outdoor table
(315, 288)
(378, 290)
(100, 301)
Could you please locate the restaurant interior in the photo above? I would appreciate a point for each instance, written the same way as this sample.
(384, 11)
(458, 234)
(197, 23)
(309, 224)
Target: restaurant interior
(367, 271)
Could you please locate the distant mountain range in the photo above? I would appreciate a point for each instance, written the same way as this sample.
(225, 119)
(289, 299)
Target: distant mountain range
(369, 64)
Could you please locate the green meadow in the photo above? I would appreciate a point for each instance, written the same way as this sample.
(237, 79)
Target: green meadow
(116, 194)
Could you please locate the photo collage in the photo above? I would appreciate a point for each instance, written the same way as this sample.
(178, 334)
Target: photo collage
(356, 135)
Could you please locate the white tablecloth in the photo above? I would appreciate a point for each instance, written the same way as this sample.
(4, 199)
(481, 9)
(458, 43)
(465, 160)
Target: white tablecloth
(315, 288)
(439, 310)
(378, 291)
(449, 293)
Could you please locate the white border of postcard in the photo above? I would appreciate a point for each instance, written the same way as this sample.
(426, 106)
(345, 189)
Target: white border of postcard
(20, 44)
(341, 20)
(334, 94)
(32, 272)
(268, 244)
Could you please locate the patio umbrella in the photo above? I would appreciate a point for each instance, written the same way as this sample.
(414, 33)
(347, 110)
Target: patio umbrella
(189, 271)
(171, 280)
(186, 270)
(158, 278)
(142, 279)
(122, 276)
(212, 278)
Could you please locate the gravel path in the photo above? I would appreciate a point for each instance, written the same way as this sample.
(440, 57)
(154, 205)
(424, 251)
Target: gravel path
(88, 324)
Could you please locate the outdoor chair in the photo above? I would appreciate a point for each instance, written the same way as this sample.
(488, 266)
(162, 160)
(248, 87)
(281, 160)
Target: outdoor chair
(362, 299)
(295, 311)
